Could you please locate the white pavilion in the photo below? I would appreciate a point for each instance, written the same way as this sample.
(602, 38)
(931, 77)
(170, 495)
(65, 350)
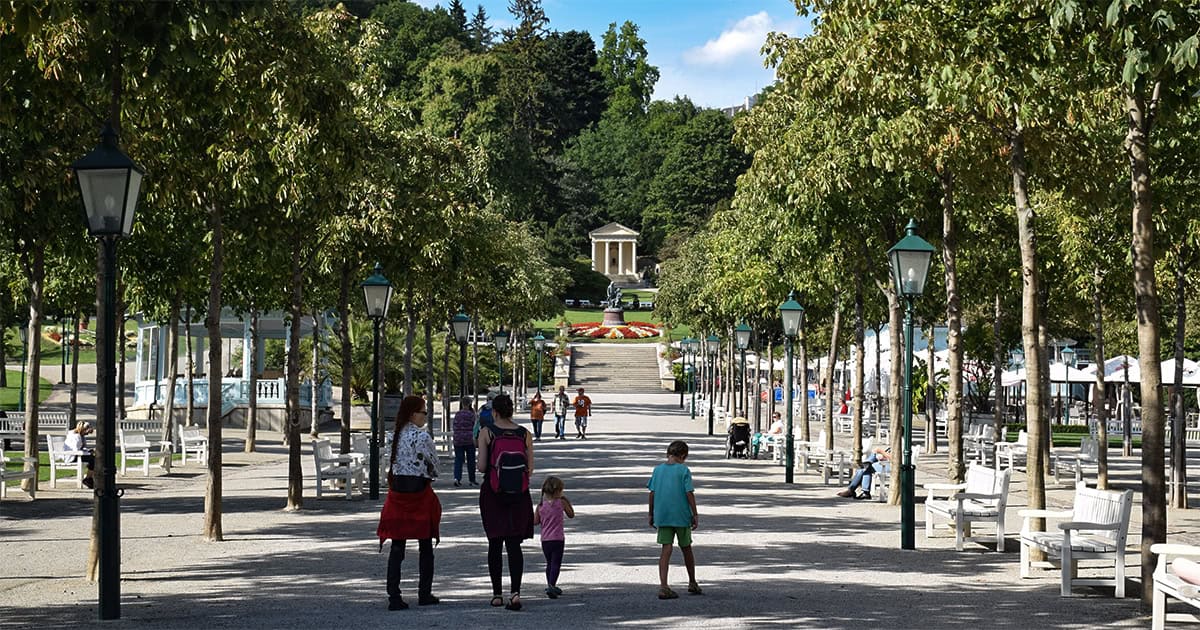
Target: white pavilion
(614, 253)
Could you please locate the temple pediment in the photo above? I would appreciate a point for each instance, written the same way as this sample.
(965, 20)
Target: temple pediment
(613, 231)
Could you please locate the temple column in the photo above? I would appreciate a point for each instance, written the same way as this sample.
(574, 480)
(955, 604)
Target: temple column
(620, 258)
(633, 256)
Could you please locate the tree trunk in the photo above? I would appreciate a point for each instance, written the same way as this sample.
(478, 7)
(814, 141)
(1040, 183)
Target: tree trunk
(931, 401)
(36, 270)
(295, 493)
(1099, 398)
(190, 416)
(430, 385)
(120, 315)
(347, 357)
(771, 379)
(1178, 425)
(410, 332)
(173, 360)
(830, 383)
(860, 361)
(252, 403)
(955, 467)
(314, 385)
(757, 391)
(74, 404)
(1154, 508)
(474, 370)
(1044, 343)
(447, 377)
(802, 358)
(998, 365)
(895, 389)
(212, 494)
(1035, 411)
(878, 381)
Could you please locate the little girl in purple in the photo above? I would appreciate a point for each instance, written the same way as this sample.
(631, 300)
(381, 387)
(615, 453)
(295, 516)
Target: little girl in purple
(549, 514)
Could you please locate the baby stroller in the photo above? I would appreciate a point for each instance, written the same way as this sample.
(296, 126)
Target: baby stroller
(738, 442)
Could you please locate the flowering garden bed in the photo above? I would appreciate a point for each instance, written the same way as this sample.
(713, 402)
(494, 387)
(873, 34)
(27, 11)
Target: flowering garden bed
(631, 330)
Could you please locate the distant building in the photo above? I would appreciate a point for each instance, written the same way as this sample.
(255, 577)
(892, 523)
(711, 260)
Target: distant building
(750, 101)
(614, 253)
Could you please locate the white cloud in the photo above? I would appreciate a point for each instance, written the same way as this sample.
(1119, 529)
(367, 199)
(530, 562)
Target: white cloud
(743, 39)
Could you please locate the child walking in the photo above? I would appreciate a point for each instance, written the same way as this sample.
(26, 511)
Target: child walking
(549, 514)
(673, 513)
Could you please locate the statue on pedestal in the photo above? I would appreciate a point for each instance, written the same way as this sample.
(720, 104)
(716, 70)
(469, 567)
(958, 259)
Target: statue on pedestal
(614, 297)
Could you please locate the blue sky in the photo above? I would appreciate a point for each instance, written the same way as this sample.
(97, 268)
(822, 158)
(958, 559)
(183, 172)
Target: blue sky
(707, 50)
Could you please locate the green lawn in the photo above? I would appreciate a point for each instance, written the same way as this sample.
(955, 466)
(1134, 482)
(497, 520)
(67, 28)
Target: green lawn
(596, 314)
(51, 351)
(44, 466)
(1073, 439)
(11, 394)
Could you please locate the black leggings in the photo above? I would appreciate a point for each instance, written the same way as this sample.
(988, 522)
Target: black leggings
(424, 567)
(516, 562)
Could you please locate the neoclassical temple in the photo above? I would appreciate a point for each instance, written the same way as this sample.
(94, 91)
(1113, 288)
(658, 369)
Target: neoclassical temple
(614, 253)
(152, 369)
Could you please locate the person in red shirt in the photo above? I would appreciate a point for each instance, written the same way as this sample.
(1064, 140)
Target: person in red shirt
(583, 409)
(537, 414)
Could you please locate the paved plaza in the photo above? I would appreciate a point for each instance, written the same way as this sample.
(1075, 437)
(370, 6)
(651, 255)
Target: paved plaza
(768, 554)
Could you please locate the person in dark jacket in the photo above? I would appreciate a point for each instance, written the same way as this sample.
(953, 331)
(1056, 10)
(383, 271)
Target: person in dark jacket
(464, 441)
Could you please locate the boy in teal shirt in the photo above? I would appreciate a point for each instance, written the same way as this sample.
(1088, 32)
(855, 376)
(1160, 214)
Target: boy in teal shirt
(673, 513)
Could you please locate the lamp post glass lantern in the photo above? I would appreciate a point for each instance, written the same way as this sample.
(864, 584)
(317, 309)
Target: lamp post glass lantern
(460, 324)
(909, 260)
(792, 315)
(501, 341)
(377, 295)
(539, 344)
(109, 184)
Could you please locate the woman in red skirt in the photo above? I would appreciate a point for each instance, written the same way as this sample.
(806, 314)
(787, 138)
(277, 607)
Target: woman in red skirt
(411, 510)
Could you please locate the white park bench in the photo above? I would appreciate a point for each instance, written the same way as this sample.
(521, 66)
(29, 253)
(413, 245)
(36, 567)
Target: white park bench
(1168, 584)
(1013, 451)
(983, 498)
(346, 469)
(136, 446)
(13, 427)
(62, 459)
(881, 480)
(828, 461)
(1096, 530)
(12, 475)
(192, 440)
(1087, 455)
(979, 442)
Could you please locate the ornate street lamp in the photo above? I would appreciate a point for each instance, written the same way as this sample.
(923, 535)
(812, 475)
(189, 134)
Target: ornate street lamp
(460, 324)
(539, 344)
(689, 346)
(792, 315)
(501, 340)
(377, 293)
(1068, 358)
(24, 334)
(741, 336)
(712, 345)
(109, 183)
(910, 267)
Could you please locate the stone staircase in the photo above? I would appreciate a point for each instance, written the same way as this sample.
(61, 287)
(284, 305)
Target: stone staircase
(616, 367)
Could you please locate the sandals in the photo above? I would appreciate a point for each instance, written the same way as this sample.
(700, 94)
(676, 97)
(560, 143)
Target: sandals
(497, 601)
(666, 593)
(514, 602)
(694, 589)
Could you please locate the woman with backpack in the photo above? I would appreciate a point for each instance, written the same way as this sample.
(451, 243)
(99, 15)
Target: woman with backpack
(506, 460)
(411, 510)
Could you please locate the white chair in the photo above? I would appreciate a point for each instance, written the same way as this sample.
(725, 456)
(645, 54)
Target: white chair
(192, 440)
(135, 446)
(23, 473)
(346, 469)
(1097, 526)
(881, 481)
(983, 497)
(62, 459)
(1167, 584)
(1013, 451)
(1088, 455)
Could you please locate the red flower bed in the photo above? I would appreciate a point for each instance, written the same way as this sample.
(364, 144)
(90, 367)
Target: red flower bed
(631, 330)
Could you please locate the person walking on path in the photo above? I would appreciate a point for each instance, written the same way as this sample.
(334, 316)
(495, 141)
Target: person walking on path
(537, 414)
(673, 513)
(583, 410)
(549, 514)
(506, 459)
(559, 406)
(411, 509)
(464, 441)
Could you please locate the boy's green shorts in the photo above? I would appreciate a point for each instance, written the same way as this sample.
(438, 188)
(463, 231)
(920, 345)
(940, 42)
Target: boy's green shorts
(666, 535)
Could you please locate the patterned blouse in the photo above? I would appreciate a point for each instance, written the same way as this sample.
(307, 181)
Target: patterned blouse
(415, 455)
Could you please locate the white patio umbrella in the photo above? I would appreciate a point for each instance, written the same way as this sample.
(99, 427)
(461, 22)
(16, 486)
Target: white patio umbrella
(1191, 373)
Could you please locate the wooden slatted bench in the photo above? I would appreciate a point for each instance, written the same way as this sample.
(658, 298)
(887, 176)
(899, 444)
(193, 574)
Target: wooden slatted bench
(983, 498)
(1097, 526)
(1168, 584)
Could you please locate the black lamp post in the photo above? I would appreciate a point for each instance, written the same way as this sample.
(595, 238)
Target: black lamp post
(501, 341)
(910, 266)
(24, 334)
(741, 336)
(109, 183)
(712, 346)
(377, 292)
(461, 325)
(539, 344)
(1068, 358)
(792, 315)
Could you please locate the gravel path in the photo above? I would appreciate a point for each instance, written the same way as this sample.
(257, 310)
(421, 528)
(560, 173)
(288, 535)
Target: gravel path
(768, 554)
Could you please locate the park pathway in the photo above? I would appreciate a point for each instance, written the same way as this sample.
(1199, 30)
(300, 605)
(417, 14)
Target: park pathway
(768, 554)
